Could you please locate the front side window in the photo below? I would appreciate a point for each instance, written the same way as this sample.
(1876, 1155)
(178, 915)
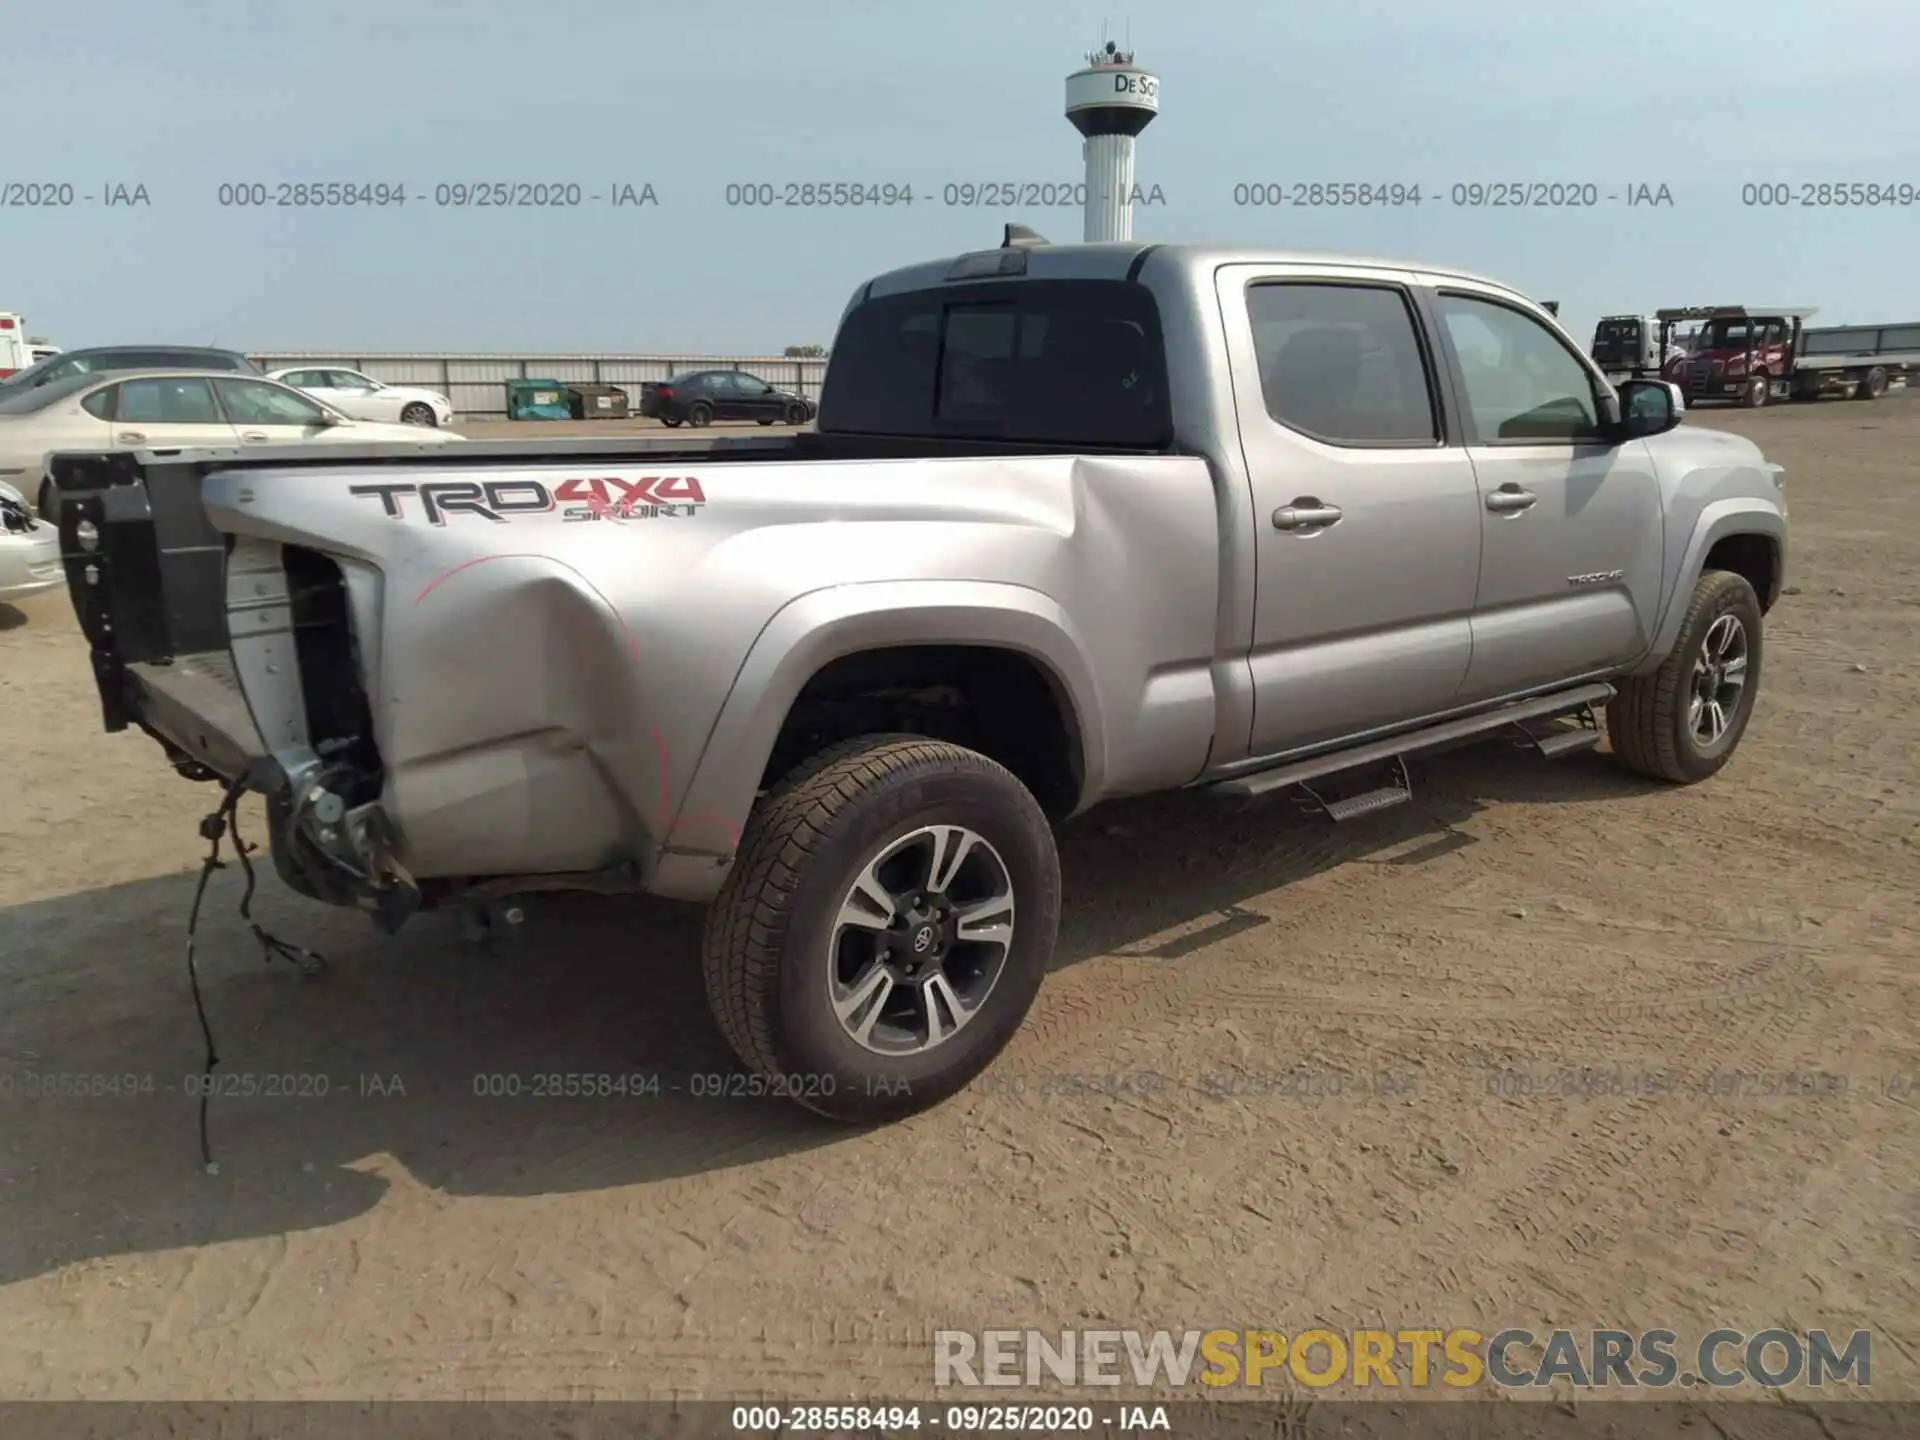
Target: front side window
(1521, 382)
(253, 402)
(1342, 363)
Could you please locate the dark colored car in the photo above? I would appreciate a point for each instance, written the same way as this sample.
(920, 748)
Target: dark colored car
(704, 396)
(103, 358)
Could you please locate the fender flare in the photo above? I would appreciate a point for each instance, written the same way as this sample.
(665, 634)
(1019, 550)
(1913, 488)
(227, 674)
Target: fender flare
(1739, 515)
(815, 629)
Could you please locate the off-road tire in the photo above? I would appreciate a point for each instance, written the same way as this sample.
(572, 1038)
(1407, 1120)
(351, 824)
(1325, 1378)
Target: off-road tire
(765, 952)
(1647, 719)
(700, 415)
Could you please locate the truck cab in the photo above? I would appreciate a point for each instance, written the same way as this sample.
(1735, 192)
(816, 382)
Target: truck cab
(1628, 347)
(1741, 354)
(1625, 346)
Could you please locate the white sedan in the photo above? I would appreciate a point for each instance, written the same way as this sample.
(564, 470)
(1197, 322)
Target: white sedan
(29, 550)
(170, 410)
(366, 398)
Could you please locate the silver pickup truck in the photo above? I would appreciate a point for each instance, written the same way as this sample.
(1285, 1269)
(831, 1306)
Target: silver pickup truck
(1076, 522)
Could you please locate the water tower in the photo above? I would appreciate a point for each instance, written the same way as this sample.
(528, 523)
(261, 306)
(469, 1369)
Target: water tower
(1110, 102)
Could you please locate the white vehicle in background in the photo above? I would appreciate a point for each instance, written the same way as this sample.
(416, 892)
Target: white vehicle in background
(44, 352)
(365, 398)
(29, 550)
(169, 410)
(15, 353)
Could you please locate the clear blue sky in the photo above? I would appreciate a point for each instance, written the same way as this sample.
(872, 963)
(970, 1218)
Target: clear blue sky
(183, 95)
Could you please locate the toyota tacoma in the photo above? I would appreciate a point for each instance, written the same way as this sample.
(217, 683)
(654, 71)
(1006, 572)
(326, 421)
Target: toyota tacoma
(1076, 522)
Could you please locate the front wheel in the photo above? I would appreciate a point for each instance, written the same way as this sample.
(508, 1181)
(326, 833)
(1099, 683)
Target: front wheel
(418, 414)
(1682, 722)
(1756, 394)
(885, 926)
(796, 415)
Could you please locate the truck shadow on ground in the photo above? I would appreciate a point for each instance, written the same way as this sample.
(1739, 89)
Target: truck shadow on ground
(10, 617)
(392, 1063)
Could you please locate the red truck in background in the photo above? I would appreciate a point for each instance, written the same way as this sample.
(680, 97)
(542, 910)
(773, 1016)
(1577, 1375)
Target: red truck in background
(1752, 356)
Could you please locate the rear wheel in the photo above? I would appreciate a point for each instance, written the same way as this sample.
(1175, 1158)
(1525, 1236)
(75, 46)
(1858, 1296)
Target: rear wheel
(1682, 722)
(418, 414)
(672, 422)
(885, 927)
(1872, 385)
(700, 415)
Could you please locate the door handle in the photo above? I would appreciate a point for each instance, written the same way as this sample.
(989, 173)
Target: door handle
(1511, 499)
(1305, 512)
(136, 437)
(255, 437)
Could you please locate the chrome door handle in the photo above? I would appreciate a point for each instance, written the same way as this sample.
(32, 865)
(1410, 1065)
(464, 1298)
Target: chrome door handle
(255, 437)
(1511, 499)
(137, 437)
(1305, 512)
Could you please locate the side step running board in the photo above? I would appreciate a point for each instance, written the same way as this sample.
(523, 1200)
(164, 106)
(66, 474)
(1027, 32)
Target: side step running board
(1581, 700)
(1558, 740)
(1398, 791)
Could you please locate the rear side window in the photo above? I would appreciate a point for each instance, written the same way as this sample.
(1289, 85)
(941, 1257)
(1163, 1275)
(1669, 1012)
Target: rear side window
(1342, 363)
(167, 402)
(100, 403)
(1067, 362)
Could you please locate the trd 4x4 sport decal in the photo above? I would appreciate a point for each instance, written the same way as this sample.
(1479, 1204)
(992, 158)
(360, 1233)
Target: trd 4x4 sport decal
(652, 497)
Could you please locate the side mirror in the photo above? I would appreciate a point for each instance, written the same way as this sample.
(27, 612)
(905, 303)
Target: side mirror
(1650, 407)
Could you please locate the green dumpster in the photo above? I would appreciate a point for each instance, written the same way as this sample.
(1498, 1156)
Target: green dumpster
(538, 400)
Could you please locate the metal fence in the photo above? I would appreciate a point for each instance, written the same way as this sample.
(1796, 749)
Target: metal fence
(476, 384)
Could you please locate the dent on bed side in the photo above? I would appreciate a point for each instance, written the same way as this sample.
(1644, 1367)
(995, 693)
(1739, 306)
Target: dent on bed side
(511, 744)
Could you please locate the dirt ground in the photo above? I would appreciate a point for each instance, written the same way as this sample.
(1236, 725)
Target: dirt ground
(1301, 1022)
